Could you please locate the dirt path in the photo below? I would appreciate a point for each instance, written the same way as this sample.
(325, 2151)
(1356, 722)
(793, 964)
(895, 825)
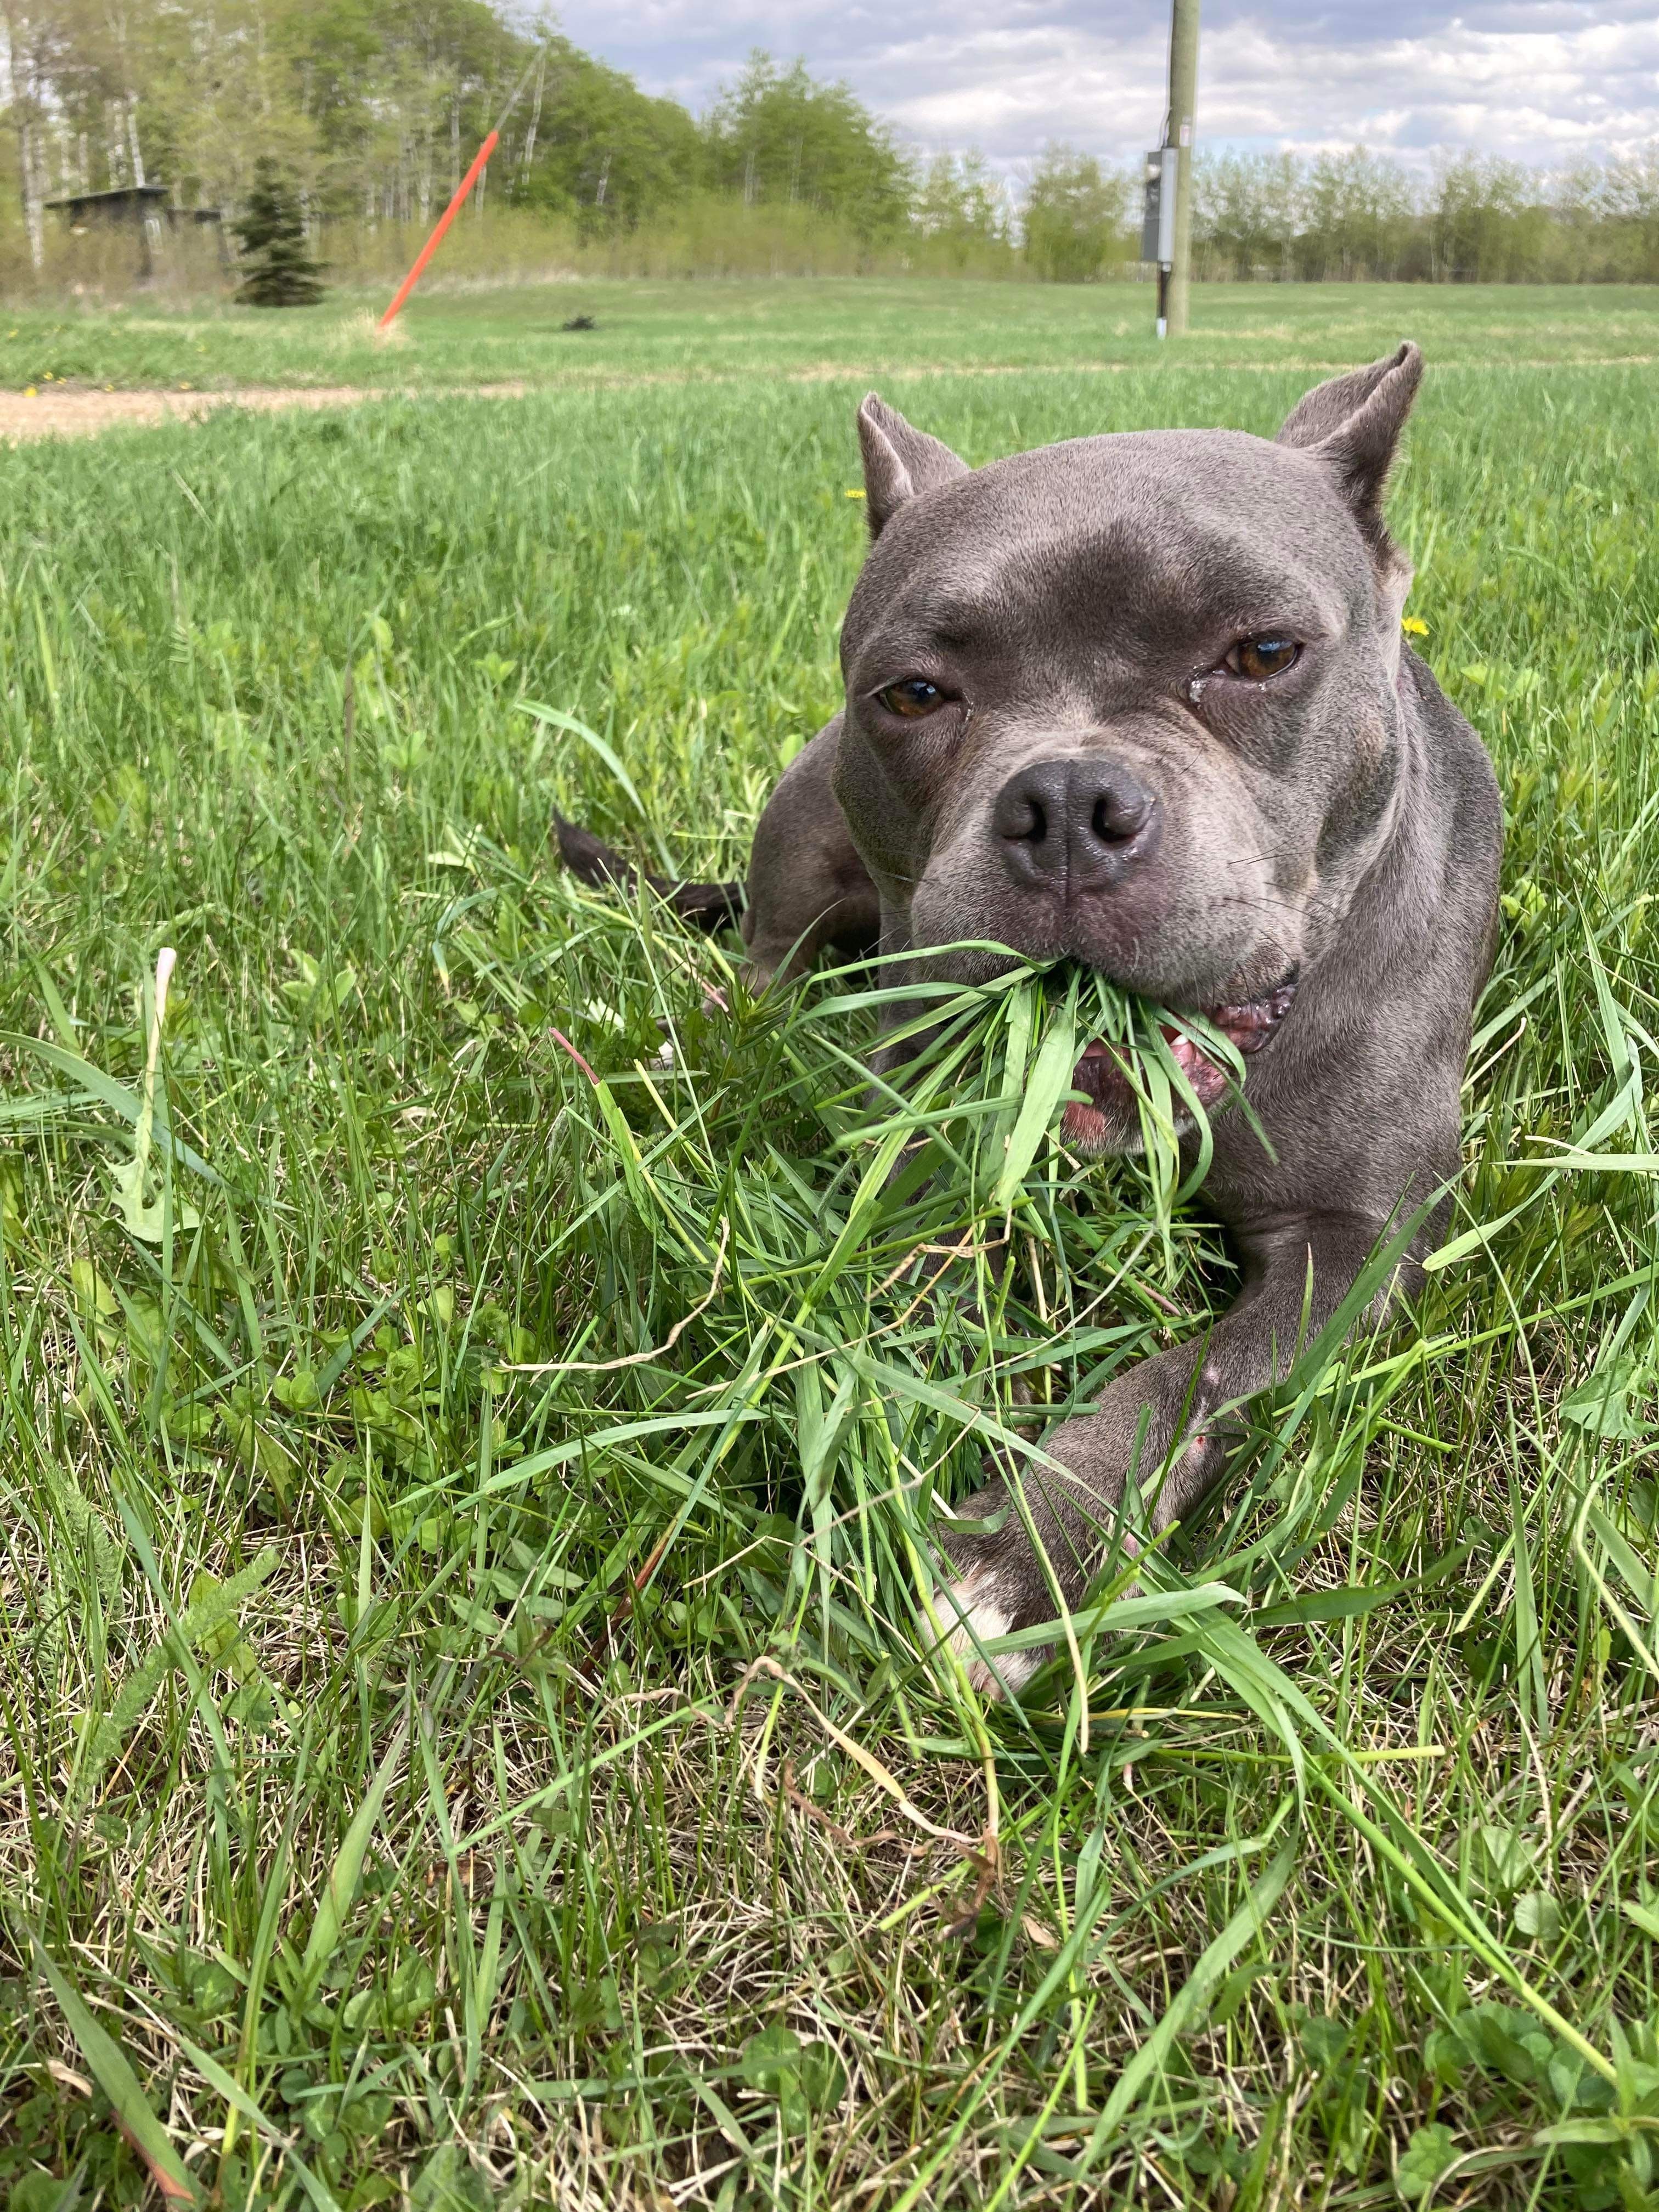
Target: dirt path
(67, 413)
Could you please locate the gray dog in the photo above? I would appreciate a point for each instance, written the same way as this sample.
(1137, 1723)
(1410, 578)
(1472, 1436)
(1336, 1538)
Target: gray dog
(1141, 701)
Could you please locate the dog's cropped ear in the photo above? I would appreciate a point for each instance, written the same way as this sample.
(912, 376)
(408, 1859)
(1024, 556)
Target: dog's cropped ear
(899, 462)
(1352, 424)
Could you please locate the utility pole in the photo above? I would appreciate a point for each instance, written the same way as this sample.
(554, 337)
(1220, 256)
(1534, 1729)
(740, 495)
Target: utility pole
(1181, 135)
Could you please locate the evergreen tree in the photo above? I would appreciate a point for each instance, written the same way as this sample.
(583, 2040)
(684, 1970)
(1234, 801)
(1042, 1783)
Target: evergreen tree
(280, 272)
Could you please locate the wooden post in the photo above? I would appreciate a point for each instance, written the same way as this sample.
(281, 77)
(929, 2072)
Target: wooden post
(1183, 135)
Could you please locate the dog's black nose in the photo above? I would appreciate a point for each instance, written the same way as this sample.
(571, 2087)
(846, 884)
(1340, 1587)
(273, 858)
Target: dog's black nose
(1074, 825)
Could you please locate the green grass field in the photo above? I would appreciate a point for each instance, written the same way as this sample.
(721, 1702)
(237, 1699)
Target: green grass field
(730, 329)
(416, 1440)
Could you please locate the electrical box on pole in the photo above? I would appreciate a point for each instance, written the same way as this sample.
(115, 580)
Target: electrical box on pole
(1157, 221)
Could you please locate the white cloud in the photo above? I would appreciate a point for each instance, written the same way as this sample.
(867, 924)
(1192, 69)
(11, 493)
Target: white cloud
(1539, 80)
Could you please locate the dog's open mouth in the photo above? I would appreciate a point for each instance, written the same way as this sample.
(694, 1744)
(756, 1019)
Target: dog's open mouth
(1101, 1074)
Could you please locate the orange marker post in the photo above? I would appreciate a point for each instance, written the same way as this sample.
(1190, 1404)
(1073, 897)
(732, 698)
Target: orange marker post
(441, 227)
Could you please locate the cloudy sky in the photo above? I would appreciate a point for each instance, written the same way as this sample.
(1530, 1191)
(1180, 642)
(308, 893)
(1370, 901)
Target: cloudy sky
(1543, 80)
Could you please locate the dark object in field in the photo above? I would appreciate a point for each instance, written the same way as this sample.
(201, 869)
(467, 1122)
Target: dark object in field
(280, 272)
(1142, 702)
(579, 323)
(706, 906)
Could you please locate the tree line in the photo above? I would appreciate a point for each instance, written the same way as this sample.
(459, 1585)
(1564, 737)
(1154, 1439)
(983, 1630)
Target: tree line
(1357, 216)
(373, 109)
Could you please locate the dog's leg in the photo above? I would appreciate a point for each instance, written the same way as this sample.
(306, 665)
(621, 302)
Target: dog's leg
(705, 906)
(1297, 1275)
(807, 886)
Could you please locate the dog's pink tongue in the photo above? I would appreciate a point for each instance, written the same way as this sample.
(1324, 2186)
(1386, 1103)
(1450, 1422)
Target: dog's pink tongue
(1100, 1071)
(1209, 1082)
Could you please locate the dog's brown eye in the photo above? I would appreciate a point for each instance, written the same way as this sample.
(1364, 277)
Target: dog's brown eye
(1258, 658)
(913, 698)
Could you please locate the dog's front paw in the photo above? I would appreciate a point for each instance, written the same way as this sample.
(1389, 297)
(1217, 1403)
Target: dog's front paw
(983, 1607)
(996, 1581)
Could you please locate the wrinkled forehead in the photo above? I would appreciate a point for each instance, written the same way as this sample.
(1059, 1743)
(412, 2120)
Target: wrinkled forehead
(1162, 530)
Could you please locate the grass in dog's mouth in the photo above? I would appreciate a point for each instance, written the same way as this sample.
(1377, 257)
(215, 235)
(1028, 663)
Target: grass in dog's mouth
(1133, 1077)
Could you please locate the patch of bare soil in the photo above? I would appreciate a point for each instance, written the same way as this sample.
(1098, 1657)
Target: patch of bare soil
(64, 412)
